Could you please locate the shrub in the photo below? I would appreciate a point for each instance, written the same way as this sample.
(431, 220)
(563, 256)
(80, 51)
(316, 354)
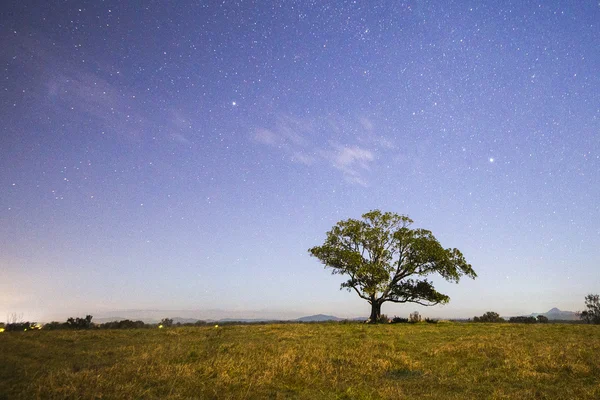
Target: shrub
(431, 321)
(542, 319)
(80, 323)
(166, 322)
(383, 319)
(415, 317)
(398, 320)
(123, 324)
(54, 325)
(20, 326)
(489, 316)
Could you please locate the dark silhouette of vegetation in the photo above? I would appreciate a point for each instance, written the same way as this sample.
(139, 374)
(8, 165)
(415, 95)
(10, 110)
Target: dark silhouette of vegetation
(54, 325)
(124, 324)
(166, 322)
(80, 323)
(592, 314)
(21, 326)
(398, 320)
(489, 316)
(386, 260)
(431, 321)
(15, 323)
(383, 319)
(414, 317)
(542, 319)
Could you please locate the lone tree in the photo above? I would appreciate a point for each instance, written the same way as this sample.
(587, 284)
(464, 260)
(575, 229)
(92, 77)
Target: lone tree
(386, 260)
(592, 314)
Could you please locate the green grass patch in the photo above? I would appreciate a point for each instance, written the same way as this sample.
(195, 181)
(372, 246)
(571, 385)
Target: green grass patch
(306, 361)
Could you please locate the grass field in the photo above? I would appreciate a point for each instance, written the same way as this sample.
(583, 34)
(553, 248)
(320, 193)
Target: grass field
(306, 361)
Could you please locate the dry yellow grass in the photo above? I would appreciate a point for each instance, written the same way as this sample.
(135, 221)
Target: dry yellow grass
(306, 361)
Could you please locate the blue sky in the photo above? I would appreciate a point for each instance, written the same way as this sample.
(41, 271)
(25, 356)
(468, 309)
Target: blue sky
(185, 156)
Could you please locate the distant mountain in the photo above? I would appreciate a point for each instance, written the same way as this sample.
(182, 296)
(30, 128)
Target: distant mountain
(154, 316)
(556, 314)
(318, 318)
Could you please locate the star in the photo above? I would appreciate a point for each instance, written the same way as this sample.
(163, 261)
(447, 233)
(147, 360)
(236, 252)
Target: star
(491, 159)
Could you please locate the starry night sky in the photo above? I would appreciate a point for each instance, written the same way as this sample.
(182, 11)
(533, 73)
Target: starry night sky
(185, 155)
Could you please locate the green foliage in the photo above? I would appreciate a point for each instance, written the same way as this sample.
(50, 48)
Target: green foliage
(489, 316)
(385, 260)
(542, 319)
(592, 314)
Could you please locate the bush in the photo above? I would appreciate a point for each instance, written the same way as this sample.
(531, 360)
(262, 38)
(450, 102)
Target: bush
(383, 319)
(489, 316)
(415, 317)
(54, 325)
(431, 321)
(166, 322)
(20, 326)
(542, 319)
(123, 324)
(398, 320)
(80, 323)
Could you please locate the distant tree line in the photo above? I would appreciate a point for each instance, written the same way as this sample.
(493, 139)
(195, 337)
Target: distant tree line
(492, 316)
(86, 323)
(20, 326)
(542, 319)
(15, 323)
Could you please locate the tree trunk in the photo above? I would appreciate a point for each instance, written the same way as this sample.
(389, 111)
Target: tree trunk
(375, 312)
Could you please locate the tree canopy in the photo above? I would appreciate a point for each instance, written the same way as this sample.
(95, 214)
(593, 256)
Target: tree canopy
(385, 260)
(592, 314)
(489, 316)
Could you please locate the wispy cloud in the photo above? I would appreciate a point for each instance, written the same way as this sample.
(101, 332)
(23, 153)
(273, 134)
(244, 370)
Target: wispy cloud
(266, 136)
(352, 161)
(349, 147)
(81, 96)
(90, 94)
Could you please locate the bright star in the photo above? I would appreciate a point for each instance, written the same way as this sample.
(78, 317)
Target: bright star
(491, 159)
(233, 103)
